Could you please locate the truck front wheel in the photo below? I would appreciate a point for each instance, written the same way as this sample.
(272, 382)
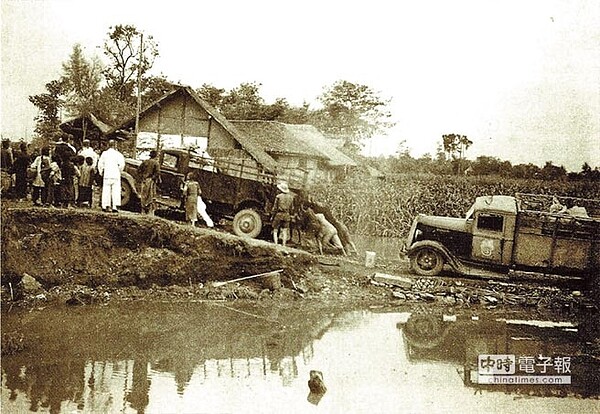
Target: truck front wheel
(427, 262)
(247, 223)
(126, 193)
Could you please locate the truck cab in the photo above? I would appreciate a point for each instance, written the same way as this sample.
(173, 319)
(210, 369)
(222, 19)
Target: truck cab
(501, 232)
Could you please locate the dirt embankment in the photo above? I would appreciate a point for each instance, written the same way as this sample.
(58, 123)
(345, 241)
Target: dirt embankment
(86, 256)
(91, 248)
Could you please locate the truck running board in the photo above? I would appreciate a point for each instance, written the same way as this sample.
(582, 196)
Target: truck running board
(467, 270)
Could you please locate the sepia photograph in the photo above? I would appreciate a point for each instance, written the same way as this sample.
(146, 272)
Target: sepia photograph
(315, 206)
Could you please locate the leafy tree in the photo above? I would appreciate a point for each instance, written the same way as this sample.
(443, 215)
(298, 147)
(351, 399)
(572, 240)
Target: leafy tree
(440, 155)
(276, 111)
(211, 94)
(553, 172)
(155, 87)
(113, 110)
(127, 59)
(81, 80)
(243, 102)
(352, 112)
(127, 56)
(49, 105)
(456, 145)
(586, 170)
(485, 165)
(295, 114)
(402, 150)
(526, 171)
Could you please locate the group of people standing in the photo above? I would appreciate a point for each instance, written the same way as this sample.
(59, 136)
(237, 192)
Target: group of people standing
(62, 176)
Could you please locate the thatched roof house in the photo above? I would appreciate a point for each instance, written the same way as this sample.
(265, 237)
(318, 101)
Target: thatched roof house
(300, 148)
(312, 136)
(181, 119)
(86, 127)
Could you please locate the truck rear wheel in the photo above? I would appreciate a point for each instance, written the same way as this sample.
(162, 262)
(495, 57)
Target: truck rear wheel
(247, 223)
(427, 262)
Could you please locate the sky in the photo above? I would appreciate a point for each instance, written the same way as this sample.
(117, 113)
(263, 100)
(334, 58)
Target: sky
(520, 78)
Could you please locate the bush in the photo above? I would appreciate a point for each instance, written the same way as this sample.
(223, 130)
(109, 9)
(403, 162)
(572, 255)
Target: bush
(386, 208)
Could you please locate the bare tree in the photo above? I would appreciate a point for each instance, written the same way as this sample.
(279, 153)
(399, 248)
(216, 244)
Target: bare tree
(127, 55)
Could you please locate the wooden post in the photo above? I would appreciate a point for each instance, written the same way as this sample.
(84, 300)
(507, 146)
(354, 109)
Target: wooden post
(208, 131)
(138, 107)
(183, 108)
(158, 121)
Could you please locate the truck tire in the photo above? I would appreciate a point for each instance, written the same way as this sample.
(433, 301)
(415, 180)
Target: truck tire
(126, 193)
(247, 223)
(427, 262)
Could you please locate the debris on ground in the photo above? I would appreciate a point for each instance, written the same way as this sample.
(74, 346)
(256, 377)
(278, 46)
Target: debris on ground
(12, 342)
(488, 293)
(98, 258)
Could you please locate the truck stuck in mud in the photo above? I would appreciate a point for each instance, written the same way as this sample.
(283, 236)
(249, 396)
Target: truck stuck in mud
(526, 232)
(231, 189)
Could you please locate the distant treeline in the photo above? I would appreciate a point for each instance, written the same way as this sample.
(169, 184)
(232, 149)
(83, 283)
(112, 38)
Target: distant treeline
(482, 166)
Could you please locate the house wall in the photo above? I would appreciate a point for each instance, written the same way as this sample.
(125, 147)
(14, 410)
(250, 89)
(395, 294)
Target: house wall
(297, 169)
(183, 117)
(181, 121)
(307, 170)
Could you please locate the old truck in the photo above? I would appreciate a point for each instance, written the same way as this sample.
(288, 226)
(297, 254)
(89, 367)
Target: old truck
(500, 233)
(232, 189)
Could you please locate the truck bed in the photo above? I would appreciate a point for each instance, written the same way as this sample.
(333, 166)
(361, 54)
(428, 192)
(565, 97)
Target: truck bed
(557, 240)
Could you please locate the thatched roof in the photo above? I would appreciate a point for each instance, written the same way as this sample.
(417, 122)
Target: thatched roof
(255, 151)
(277, 138)
(313, 137)
(76, 124)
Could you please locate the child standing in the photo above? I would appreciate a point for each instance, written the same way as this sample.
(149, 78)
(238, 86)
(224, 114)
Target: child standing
(41, 165)
(191, 190)
(54, 182)
(85, 183)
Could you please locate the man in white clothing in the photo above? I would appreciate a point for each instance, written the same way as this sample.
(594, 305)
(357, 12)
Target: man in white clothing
(88, 151)
(110, 165)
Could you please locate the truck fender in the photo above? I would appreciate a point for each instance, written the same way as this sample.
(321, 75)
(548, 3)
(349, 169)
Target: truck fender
(131, 181)
(253, 204)
(439, 247)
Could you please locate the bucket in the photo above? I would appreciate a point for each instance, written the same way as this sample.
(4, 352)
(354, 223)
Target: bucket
(272, 281)
(370, 259)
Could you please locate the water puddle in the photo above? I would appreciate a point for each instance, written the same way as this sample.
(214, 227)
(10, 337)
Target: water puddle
(200, 357)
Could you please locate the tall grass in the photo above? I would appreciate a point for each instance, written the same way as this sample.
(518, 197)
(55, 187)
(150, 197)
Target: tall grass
(387, 207)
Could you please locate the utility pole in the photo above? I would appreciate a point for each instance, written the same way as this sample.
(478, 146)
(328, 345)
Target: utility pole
(139, 93)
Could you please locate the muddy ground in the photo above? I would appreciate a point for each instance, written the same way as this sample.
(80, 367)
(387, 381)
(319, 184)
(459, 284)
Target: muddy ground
(83, 256)
(127, 255)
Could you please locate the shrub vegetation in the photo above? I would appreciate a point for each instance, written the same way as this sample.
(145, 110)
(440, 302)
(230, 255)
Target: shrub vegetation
(387, 207)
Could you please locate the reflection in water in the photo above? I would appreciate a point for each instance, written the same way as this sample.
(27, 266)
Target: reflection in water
(460, 340)
(204, 358)
(317, 387)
